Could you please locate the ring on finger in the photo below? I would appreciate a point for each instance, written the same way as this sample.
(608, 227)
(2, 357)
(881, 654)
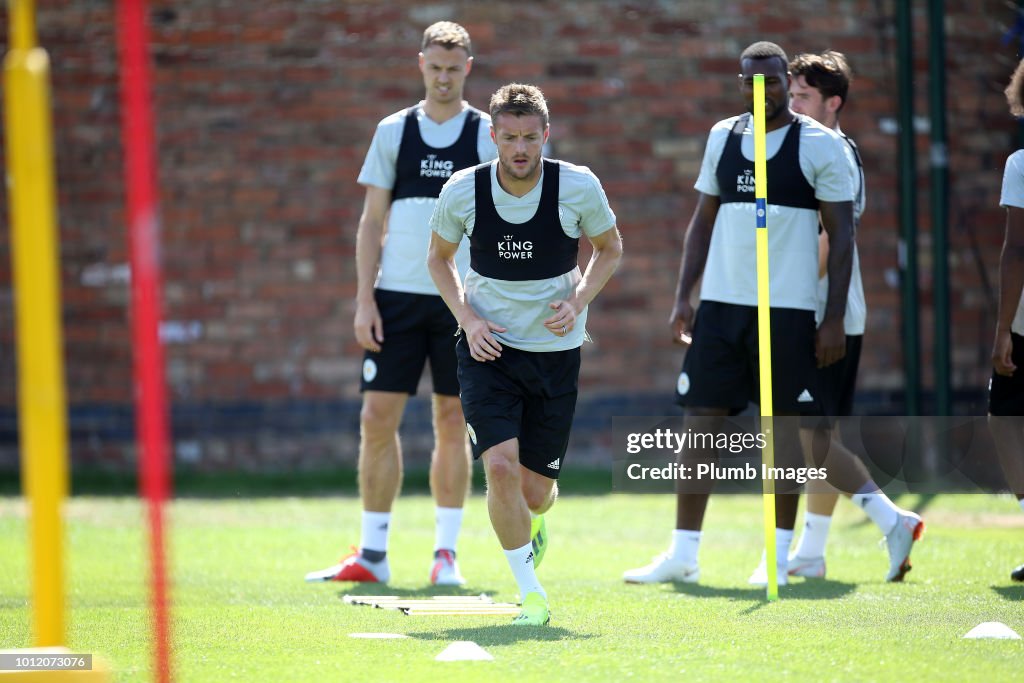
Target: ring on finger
(563, 329)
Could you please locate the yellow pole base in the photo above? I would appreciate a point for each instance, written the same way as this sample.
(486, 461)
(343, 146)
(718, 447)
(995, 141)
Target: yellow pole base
(100, 672)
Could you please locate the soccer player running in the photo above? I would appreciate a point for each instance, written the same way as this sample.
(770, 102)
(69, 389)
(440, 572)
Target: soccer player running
(818, 88)
(522, 312)
(400, 320)
(807, 175)
(1006, 388)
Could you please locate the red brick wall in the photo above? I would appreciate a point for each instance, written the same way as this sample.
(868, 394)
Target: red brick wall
(265, 110)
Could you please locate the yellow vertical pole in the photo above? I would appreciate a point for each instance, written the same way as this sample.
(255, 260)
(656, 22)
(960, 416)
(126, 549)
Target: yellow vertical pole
(764, 329)
(41, 401)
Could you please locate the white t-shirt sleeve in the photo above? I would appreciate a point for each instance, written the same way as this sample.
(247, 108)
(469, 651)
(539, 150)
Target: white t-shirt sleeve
(824, 163)
(707, 181)
(1013, 181)
(857, 178)
(455, 207)
(379, 166)
(596, 215)
(485, 148)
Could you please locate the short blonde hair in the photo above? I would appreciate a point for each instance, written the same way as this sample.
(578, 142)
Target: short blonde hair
(448, 35)
(519, 99)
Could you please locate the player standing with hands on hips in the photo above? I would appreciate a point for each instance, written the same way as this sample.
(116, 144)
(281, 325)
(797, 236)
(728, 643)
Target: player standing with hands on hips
(400, 320)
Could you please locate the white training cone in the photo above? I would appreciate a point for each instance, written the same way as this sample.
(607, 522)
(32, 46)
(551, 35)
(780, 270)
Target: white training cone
(992, 629)
(463, 650)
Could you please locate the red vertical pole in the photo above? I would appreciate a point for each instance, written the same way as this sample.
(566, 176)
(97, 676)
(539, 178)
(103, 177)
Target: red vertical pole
(150, 390)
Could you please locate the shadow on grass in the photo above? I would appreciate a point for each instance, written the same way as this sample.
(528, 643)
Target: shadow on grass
(1014, 593)
(501, 634)
(427, 591)
(805, 590)
(924, 501)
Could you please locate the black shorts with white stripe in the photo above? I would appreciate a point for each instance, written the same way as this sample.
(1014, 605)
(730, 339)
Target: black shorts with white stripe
(722, 368)
(524, 395)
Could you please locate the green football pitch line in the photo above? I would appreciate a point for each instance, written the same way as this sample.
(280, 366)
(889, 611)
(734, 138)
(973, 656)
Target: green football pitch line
(243, 612)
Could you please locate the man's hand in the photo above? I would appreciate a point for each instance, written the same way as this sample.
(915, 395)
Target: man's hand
(368, 326)
(1002, 354)
(563, 319)
(830, 342)
(681, 322)
(482, 344)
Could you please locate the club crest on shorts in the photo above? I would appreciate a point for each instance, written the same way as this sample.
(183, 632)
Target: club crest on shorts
(369, 370)
(683, 384)
(472, 433)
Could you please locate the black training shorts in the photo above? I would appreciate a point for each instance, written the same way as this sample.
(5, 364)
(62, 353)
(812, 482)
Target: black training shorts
(838, 382)
(416, 327)
(524, 395)
(1006, 394)
(721, 368)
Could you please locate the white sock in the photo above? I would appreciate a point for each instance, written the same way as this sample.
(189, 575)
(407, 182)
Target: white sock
(815, 533)
(449, 521)
(685, 544)
(882, 511)
(520, 561)
(783, 539)
(375, 531)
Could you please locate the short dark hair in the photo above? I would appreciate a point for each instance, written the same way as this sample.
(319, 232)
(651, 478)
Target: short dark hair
(765, 50)
(1015, 91)
(828, 73)
(519, 99)
(448, 35)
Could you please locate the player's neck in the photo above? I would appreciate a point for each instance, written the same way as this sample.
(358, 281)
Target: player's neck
(439, 112)
(783, 119)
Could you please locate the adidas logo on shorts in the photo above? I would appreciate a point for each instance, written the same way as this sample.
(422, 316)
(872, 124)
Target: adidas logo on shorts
(554, 464)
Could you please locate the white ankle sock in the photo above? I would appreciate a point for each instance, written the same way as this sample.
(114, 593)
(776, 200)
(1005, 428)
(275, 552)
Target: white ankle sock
(814, 535)
(685, 544)
(446, 534)
(375, 531)
(520, 560)
(882, 511)
(783, 539)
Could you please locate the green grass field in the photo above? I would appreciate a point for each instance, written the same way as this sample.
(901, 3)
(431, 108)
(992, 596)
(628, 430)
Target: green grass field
(242, 611)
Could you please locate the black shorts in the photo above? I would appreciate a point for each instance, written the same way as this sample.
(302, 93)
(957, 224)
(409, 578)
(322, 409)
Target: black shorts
(416, 327)
(838, 382)
(1006, 394)
(525, 395)
(721, 368)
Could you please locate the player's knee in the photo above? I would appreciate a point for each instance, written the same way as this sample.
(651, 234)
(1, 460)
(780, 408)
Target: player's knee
(502, 470)
(379, 420)
(536, 497)
(816, 445)
(449, 425)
